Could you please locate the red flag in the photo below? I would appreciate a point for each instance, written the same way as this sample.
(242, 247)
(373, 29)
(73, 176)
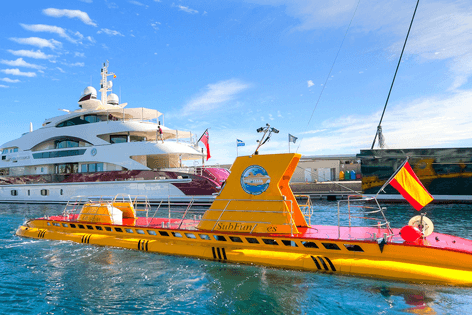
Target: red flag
(205, 139)
(410, 187)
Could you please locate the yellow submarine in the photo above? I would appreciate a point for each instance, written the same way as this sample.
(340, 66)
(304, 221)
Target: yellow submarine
(265, 225)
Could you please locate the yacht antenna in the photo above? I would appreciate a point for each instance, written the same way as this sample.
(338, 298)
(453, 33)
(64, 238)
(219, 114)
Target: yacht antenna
(267, 131)
(379, 127)
(104, 86)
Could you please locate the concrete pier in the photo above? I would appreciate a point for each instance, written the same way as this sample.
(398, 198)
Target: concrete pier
(332, 190)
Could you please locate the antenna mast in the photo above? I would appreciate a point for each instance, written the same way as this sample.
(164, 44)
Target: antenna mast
(379, 127)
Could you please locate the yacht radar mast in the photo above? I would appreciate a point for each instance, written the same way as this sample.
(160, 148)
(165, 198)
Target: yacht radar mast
(105, 86)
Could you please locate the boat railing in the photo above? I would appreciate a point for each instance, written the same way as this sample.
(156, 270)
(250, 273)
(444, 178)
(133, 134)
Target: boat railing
(366, 209)
(140, 204)
(307, 208)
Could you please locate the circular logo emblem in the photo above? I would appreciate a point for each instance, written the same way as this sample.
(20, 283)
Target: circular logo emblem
(93, 152)
(255, 180)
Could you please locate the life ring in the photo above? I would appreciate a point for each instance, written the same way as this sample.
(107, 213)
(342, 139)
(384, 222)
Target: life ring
(428, 225)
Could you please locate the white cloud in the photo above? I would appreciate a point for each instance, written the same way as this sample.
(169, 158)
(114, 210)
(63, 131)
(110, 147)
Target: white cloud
(215, 96)
(20, 63)
(426, 122)
(310, 83)
(31, 54)
(83, 16)
(9, 80)
(110, 32)
(77, 54)
(4, 86)
(18, 72)
(185, 9)
(38, 42)
(49, 29)
(441, 29)
(137, 3)
(60, 69)
(155, 25)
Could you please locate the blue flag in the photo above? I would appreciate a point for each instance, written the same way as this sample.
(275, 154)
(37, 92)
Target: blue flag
(292, 138)
(240, 143)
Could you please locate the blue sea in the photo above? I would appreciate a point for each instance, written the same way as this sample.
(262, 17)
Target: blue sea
(51, 277)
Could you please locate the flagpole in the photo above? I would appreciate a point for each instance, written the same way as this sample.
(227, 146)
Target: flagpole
(202, 135)
(237, 151)
(392, 177)
(288, 143)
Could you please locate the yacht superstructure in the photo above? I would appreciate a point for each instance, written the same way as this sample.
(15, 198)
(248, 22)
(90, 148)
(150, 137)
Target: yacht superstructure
(101, 147)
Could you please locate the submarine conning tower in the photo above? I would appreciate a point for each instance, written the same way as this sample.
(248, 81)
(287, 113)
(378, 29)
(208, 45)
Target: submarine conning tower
(257, 198)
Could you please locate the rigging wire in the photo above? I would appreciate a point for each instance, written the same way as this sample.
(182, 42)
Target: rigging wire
(329, 74)
(379, 128)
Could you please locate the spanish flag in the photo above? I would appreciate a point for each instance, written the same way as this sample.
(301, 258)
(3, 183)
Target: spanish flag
(410, 187)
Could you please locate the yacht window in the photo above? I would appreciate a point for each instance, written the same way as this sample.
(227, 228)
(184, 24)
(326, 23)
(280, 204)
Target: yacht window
(61, 144)
(68, 168)
(5, 151)
(44, 192)
(136, 138)
(15, 149)
(14, 192)
(56, 154)
(92, 167)
(118, 139)
(72, 122)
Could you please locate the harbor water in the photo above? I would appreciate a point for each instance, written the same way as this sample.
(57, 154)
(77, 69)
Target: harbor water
(51, 277)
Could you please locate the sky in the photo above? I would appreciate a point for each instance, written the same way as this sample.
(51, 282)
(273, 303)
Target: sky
(318, 70)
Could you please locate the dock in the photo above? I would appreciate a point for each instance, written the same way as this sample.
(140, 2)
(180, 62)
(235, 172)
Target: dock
(332, 190)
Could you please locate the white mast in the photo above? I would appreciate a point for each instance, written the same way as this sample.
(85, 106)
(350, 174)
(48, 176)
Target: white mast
(105, 86)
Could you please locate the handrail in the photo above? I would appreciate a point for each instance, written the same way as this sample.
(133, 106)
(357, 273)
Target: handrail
(380, 222)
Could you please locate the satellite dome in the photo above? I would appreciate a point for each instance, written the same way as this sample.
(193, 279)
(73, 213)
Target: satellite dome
(90, 90)
(113, 99)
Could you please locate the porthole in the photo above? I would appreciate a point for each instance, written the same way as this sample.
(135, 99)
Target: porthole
(252, 240)
(331, 246)
(190, 235)
(98, 227)
(129, 230)
(108, 228)
(289, 243)
(269, 241)
(119, 229)
(204, 237)
(139, 231)
(353, 248)
(235, 239)
(176, 234)
(89, 227)
(310, 244)
(219, 238)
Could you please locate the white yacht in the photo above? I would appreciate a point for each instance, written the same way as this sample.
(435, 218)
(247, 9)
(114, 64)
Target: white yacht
(104, 148)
